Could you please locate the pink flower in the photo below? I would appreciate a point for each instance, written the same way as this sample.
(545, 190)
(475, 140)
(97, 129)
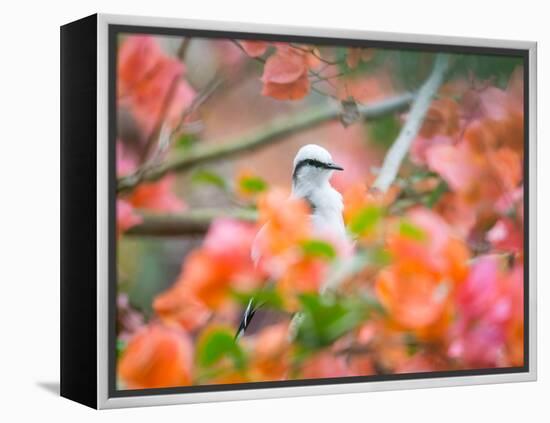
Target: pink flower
(125, 163)
(455, 164)
(480, 346)
(507, 235)
(229, 242)
(126, 217)
(489, 327)
(422, 145)
(476, 295)
(229, 238)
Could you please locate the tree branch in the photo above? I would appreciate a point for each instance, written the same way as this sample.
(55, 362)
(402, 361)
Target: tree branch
(274, 131)
(418, 111)
(192, 222)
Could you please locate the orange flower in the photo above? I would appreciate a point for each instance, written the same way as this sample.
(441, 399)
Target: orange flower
(457, 212)
(428, 261)
(211, 272)
(442, 118)
(286, 222)
(248, 185)
(513, 287)
(414, 300)
(358, 197)
(365, 211)
(156, 357)
(435, 247)
(303, 276)
(272, 353)
(421, 362)
(207, 279)
(357, 55)
(361, 365)
(178, 305)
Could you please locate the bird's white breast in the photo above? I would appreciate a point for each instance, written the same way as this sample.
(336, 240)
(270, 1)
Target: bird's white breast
(327, 212)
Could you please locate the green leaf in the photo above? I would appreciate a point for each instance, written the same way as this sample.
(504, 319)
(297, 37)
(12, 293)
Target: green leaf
(411, 343)
(380, 256)
(185, 142)
(319, 249)
(410, 230)
(436, 194)
(385, 130)
(266, 297)
(253, 184)
(363, 67)
(203, 176)
(498, 68)
(412, 67)
(120, 347)
(366, 220)
(217, 344)
(324, 319)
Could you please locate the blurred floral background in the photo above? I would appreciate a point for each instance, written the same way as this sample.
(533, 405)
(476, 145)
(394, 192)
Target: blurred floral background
(206, 133)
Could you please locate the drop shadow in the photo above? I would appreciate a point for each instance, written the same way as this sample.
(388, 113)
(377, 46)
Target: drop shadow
(51, 387)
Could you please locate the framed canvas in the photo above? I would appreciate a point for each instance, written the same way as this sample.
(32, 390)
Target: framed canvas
(253, 211)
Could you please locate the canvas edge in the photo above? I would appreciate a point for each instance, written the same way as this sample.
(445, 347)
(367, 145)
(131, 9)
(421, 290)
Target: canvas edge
(103, 400)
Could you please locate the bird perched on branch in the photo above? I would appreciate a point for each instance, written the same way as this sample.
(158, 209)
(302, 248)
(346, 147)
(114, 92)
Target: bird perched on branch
(313, 167)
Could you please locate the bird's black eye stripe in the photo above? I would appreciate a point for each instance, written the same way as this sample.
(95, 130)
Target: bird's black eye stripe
(315, 163)
(307, 162)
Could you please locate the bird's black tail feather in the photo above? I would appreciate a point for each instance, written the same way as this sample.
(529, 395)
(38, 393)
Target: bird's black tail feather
(247, 317)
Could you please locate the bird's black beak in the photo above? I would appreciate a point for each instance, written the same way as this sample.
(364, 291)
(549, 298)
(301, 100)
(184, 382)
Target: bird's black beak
(334, 166)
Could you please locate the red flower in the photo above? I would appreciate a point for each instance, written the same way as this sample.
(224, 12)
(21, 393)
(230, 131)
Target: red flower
(254, 48)
(145, 77)
(157, 196)
(324, 365)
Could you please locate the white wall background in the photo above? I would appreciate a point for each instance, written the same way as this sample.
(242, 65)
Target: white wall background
(29, 207)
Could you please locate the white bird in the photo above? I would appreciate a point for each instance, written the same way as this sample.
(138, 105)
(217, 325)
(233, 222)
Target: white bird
(313, 167)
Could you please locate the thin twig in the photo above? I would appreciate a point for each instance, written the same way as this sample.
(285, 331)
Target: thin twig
(313, 52)
(324, 93)
(199, 99)
(192, 222)
(165, 136)
(155, 132)
(419, 108)
(272, 132)
(257, 58)
(183, 47)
